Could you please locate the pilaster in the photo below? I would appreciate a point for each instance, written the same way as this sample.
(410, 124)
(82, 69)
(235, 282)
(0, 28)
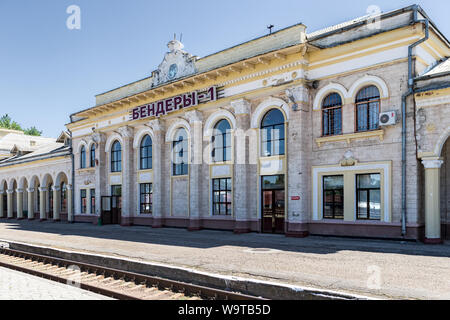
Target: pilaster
(127, 134)
(242, 110)
(432, 200)
(158, 156)
(297, 146)
(196, 161)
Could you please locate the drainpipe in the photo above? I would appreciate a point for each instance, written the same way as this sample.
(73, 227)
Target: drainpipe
(404, 111)
(73, 175)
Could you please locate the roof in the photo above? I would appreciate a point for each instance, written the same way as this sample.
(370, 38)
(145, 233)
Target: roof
(17, 147)
(440, 69)
(23, 142)
(266, 43)
(337, 27)
(49, 150)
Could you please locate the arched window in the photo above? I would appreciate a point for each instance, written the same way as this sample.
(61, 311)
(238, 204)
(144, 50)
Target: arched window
(180, 153)
(332, 115)
(146, 153)
(116, 157)
(83, 157)
(367, 109)
(222, 142)
(92, 154)
(272, 134)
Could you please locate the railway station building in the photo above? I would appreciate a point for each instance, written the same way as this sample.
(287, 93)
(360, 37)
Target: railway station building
(343, 131)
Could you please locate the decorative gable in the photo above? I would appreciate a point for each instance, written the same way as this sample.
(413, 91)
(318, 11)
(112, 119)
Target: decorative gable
(176, 64)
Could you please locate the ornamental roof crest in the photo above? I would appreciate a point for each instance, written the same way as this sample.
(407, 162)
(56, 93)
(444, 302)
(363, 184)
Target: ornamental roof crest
(177, 64)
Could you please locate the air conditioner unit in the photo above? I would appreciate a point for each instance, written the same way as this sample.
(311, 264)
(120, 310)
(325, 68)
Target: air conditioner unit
(388, 118)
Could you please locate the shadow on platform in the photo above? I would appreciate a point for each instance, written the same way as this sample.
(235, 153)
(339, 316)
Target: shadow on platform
(207, 239)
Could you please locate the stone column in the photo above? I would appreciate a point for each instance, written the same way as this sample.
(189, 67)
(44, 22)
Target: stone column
(30, 203)
(242, 110)
(10, 204)
(298, 169)
(158, 156)
(128, 175)
(56, 203)
(19, 204)
(2, 215)
(195, 168)
(432, 200)
(70, 217)
(43, 201)
(100, 169)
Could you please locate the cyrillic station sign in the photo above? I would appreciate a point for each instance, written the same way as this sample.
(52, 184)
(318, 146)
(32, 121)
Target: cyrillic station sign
(166, 106)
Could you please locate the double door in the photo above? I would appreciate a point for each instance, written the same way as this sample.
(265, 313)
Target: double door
(273, 205)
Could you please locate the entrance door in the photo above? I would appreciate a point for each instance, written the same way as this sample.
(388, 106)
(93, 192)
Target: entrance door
(116, 209)
(273, 204)
(111, 209)
(116, 204)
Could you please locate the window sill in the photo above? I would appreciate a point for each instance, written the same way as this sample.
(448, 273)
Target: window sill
(86, 169)
(351, 136)
(181, 176)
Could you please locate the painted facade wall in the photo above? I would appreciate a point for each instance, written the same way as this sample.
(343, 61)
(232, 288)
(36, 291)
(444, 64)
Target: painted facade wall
(292, 72)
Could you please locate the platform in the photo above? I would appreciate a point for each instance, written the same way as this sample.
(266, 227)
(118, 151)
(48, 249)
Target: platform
(373, 268)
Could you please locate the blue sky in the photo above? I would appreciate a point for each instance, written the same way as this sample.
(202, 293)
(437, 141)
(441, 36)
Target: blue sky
(48, 72)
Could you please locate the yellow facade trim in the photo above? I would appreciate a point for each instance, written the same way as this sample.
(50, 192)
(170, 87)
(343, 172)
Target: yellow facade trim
(26, 164)
(367, 43)
(362, 54)
(351, 136)
(432, 94)
(350, 205)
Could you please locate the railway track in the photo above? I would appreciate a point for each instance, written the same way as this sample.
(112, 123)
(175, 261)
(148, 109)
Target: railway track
(117, 284)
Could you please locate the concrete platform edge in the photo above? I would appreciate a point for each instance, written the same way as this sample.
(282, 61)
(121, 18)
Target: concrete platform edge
(267, 289)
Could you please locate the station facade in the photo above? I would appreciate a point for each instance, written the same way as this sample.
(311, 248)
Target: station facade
(343, 132)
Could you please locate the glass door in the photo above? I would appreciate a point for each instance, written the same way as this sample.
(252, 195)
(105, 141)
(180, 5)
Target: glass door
(273, 204)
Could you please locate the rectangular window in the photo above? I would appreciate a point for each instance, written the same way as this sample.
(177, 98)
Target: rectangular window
(146, 198)
(368, 192)
(92, 201)
(83, 201)
(332, 121)
(333, 197)
(222, 198)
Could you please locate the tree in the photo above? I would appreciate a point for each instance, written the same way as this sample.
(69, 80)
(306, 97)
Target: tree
(7, 123)
(32, 132)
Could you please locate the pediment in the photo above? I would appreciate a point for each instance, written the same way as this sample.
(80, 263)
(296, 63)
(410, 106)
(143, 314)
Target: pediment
(177, 64)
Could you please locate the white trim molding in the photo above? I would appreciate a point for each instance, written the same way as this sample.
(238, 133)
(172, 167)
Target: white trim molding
(179, 123)
(441, 142)
(141, 134)
(432, 163)
(325, 91)
(215, 118)
(368, 81)
(265, 106)
(111, 139)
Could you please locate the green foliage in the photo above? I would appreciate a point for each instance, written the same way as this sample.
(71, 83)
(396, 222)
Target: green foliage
(33, 132)
(7, 123)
